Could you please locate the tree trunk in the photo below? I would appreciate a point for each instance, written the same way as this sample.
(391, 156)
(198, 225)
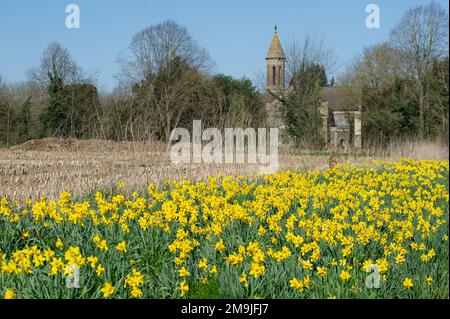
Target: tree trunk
(168, 130)
(421, 111)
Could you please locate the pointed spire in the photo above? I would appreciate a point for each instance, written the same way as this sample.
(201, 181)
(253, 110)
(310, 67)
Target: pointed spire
(275, 50)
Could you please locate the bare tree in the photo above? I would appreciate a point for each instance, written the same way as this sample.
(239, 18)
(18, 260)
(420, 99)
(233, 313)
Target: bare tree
(377, 66)
(56, 63)
(260, 81)
(300, 54)
(372, 81)
(156, 46)
(2, 88)
(165, 71)
(420, 38)
(6, 112)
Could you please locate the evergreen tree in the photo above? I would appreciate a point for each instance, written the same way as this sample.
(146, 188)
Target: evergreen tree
(54, 117)
(6, 123)
(23, 121)
(303, 120)
(242, 90)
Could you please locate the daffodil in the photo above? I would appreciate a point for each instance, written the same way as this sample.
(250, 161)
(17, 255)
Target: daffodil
(184, 288)
(100, 270)
(122, 247)
(345, 275)
(108, 290)
(408, 283)
(203, 264)
(321, 271)
(297, 284)
(9, 294)
(183, 272)
(243, 279)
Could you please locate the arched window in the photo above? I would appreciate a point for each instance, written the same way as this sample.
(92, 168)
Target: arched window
(279, 76)
(274, 72)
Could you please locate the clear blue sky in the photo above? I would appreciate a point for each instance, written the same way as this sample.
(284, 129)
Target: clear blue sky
(236, 33)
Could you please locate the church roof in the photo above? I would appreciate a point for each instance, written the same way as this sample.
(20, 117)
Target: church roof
(275, 50)
(336, 99)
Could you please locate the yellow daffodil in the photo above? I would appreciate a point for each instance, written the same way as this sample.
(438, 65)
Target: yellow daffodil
(107, 290)
(408, 283)
(9, 294)
(122, 247)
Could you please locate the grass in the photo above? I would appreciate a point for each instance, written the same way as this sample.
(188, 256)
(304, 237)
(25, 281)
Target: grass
(353, 154)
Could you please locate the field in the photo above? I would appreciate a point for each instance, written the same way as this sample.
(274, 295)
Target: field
(113, 224)
(49, 167)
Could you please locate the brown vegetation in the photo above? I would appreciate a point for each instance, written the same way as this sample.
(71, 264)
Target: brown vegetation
(50, 166)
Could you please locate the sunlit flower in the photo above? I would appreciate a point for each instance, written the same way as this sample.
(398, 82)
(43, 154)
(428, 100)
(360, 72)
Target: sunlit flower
(243, 279)
(296, 284)
(321, 271)
(107, 290)
(203, 264)
(59, 244)
(183, 272)
(344, 275)
(213, 269)
(136, 292)
(184, 288)
(408, 283)
(9, 294)
(100, 270)
(122, 246)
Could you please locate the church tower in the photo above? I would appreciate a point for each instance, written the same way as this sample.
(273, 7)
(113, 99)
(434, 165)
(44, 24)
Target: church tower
(275, 61)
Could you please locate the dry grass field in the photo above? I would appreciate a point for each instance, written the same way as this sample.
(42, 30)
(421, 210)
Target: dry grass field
(50, 166)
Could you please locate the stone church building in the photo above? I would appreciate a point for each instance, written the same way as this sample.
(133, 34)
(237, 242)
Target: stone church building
(341, 124)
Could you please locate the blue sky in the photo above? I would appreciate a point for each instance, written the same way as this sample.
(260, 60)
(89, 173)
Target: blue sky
(236, 33)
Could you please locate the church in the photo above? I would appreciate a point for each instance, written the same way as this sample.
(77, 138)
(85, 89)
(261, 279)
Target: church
(341, 123)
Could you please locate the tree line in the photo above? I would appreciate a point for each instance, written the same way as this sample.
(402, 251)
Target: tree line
(166, 82)
(400, 85)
